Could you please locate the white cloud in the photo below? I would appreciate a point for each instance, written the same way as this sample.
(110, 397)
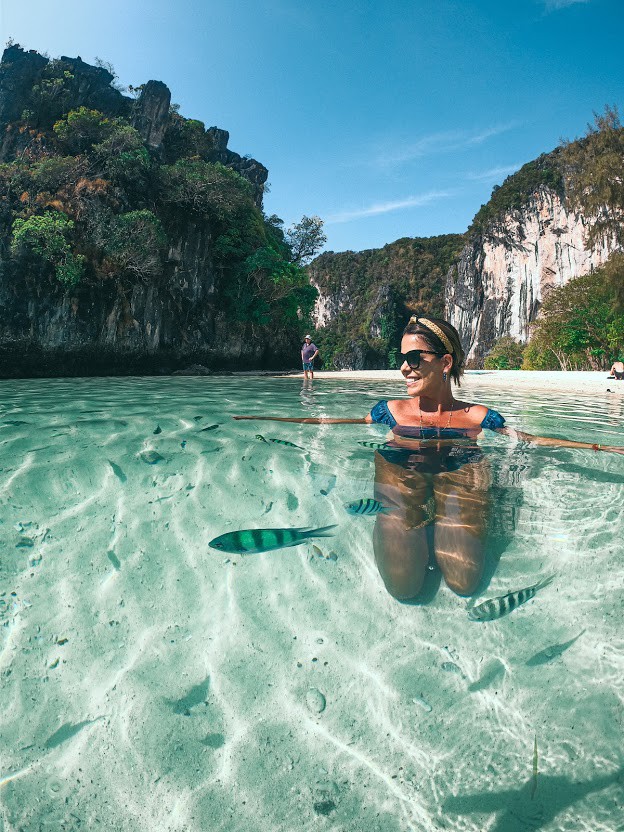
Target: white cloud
(493, 173)
(442, 142)
(554, 5)
(387, 207)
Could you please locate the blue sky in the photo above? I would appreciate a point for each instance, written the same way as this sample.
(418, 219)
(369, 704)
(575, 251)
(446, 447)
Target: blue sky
(386, 119)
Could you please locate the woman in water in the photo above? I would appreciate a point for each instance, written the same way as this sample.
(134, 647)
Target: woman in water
(432, 476)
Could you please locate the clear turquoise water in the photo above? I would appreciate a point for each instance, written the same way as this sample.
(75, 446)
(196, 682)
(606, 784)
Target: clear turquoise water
(152, 683)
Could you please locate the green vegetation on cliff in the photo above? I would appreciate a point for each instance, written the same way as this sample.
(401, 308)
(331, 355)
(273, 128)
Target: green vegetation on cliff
(97, 188)
(580, 324)
(374, 293)
(586, 173)
(506, 354)
(594, 176)
(517, 190)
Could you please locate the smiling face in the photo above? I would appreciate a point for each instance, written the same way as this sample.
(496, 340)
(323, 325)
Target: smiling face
(427, 379)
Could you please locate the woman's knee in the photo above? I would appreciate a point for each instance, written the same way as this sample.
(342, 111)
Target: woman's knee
(465, 582)
(401, 586)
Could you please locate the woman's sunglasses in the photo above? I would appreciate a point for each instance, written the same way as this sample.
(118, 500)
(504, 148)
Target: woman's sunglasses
(413, 357)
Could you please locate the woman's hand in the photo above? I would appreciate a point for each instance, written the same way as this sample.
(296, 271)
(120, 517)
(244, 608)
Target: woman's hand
(611, 449)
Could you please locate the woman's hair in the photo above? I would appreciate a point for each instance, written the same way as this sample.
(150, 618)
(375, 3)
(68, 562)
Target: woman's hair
(441, 337)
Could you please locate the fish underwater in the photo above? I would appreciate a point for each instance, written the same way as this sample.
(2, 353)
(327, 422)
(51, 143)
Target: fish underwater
(284, 442)
(378, 446)
(504, 604)
(367, 506)
(320, 554)
(114, 559)
(151, 457)
(117, 471)
(331, 482)
(252, 541)
(552, 652)
(210, 427)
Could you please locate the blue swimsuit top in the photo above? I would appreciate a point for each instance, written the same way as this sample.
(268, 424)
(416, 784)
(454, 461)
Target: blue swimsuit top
(381, 415)
(432, 460)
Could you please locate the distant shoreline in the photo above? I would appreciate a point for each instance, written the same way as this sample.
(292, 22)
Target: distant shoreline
(581, 382)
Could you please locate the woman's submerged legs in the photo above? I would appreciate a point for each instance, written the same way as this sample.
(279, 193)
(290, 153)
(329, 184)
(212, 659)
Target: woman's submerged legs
(462, 508)
(399, 538)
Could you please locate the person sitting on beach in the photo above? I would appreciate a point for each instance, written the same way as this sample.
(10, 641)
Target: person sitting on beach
(309, 351)
(432, 477)
(617, 370)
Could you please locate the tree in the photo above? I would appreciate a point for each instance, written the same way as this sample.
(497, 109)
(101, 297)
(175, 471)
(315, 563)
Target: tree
(506, 354)
(56, 172)
(594, 182)
(50, 96)
(134, 244)
(579, 323)
(305, 238)
(538, 358)
(44, 238)
(80, 129)
(212, 190)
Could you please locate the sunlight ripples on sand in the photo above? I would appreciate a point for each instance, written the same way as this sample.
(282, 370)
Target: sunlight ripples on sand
(151, 682)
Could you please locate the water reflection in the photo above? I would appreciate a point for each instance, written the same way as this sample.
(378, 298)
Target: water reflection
(307, 393)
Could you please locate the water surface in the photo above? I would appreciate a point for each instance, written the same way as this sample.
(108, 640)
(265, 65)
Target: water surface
(151, 682)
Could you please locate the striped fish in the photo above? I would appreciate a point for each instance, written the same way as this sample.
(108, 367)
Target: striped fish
(504, 604)
(261, 438)
(286, 443)
(368, 506)
(378, 446)
(250, 541)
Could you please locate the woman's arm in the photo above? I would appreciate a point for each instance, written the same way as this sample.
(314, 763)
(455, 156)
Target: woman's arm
(322, 420)
(548, 441)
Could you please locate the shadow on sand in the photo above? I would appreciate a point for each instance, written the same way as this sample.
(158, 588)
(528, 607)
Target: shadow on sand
(517, 811)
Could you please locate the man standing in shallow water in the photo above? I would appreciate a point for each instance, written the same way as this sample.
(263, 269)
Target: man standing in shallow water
(309, 352)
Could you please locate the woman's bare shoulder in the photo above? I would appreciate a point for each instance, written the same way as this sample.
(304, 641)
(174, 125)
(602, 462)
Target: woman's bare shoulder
(472, 414)
(399, 406)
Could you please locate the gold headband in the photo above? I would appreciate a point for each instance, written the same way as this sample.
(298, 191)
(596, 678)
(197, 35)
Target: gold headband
(435, 329)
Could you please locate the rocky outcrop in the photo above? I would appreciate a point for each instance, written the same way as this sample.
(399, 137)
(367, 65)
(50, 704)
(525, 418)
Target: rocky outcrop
(110, 322)
(19, 71)
(27, 87)
(151, 113)
(498, 284)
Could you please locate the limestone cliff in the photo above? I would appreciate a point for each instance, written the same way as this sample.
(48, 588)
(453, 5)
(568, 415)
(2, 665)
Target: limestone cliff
(525, 240)
(497, 285)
